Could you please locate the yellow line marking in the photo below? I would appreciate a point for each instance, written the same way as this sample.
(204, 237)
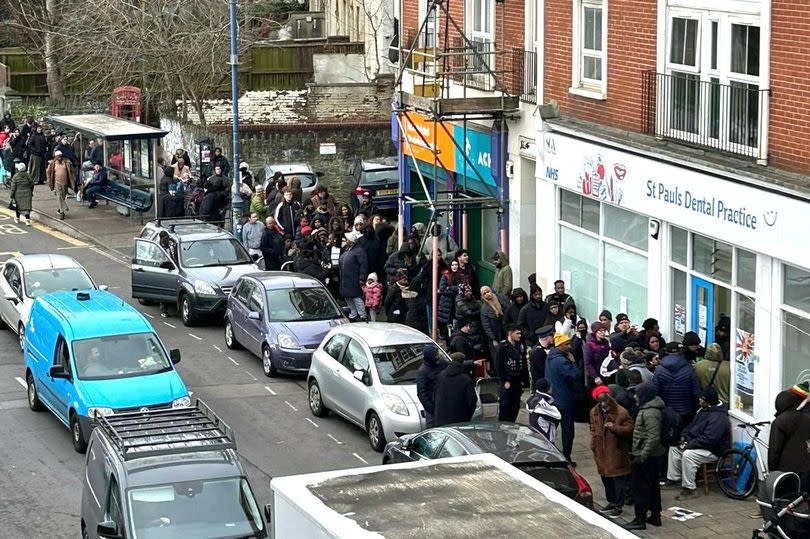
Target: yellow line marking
(47, 230)
(10, 254)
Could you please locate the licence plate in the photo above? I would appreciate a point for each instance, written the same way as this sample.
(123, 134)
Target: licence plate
(387, 192)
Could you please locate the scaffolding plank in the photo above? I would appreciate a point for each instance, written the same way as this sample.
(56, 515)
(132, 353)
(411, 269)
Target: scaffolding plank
(446, 106)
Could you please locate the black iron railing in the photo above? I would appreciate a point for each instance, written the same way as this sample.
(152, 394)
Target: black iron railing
(526, 67)
(687, 108)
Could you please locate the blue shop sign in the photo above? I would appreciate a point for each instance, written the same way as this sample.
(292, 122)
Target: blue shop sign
(478, 148)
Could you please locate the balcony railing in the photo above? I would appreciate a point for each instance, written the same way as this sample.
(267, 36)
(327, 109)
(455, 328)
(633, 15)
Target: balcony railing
(526, 76)
(705, 113)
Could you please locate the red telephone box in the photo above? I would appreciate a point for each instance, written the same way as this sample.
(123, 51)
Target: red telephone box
(126, 103)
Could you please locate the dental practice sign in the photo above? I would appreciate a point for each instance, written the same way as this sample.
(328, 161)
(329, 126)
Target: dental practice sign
(752, 218)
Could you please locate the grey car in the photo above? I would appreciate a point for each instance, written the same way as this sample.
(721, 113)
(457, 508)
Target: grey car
(281, 317)
(309, 178)
(196, 271)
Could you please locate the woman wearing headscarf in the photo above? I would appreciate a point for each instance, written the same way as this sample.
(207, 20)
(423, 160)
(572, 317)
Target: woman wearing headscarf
(517, 299)
(789, 442)
(596, 350)
(493, 309)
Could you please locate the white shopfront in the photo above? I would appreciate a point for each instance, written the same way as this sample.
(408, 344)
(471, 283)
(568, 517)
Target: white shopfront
(639, 235)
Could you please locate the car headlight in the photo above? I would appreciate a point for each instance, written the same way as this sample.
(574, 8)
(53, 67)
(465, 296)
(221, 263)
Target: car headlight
(395, 404)
(201, 287)
(99, 411)
(285, 340)
(182, 402)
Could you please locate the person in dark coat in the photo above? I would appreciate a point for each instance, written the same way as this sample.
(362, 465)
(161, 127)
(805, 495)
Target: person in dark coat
(455, 399)
(166, 181)
(172, 205)
(219, 160)
(402, 260)
(98, 182)
(595, 351)
(307, 263)
(426, 376)
(691, 347)
(517, 300)
(461, 342)
(678, 384)
(288, 213)
(22, 193)
(448, 290)
(510, 366)
(722, 335)
(702, 442)
(211, 205)
(272, 246)
(533, 315)
(789, 442)
(353, 273)
(539, 354)
(469, 308)
(562, 374)
(37, 146)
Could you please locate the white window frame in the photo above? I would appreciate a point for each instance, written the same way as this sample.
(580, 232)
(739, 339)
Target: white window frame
(485, 35)
(430, 35)
(579, 85)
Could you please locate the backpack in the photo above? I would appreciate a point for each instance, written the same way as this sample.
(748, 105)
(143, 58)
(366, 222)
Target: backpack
(670, 427)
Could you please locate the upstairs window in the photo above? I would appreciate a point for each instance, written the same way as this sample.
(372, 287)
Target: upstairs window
(589, 63)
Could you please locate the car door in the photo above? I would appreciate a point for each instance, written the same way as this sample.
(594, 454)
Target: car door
(12, 285)
(328, 359)
(113, 507)
(238, 305)
(354, 393)
(60, 391)
(254, 329)
(154, 274)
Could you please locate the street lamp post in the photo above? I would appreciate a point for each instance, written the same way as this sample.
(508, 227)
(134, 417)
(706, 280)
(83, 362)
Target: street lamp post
(236, 197)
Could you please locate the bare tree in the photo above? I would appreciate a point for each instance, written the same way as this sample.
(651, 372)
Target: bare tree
(37, 18)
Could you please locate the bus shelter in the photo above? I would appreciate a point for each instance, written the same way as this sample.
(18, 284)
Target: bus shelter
(129, 149)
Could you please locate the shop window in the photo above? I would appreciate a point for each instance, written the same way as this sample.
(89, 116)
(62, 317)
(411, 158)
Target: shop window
(743, 357)
(746, 269)
(625, 282)
(627, 227)
(796, 289)
(679, 245)
(795, 343)
(579, 211)
(678, 305)
(711, 258)
(579, 265)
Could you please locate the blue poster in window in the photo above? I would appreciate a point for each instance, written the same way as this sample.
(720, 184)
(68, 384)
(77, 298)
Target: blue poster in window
(477, 146)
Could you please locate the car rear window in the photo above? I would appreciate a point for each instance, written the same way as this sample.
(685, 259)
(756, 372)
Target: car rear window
(557, 477)
(379, 177)
(307, 179)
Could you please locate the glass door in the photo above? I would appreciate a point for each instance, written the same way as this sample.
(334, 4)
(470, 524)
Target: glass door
(702, 309)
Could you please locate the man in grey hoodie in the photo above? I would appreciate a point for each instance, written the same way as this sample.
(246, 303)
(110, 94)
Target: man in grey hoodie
(252, 234)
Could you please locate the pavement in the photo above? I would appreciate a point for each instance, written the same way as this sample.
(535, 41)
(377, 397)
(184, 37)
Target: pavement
(275, 431)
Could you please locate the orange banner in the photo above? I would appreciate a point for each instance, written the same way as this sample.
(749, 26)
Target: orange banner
(432, 135)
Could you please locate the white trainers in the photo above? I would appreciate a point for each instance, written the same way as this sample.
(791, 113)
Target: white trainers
(16, 219)
(25, 221)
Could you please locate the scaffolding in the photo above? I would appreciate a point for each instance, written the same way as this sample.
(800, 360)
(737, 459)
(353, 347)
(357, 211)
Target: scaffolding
(451, 78)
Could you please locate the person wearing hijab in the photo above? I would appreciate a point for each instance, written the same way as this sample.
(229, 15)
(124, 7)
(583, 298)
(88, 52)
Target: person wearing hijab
(492, 312)
(789, 442)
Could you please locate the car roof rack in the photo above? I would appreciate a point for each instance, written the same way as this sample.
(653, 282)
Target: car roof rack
(167, 432)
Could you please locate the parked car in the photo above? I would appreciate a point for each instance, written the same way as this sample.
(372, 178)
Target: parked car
(27, 277)
(281, 317)
(518, 445)
(182, 478)
(197, 271)
(90, 353)
(309, 178)
(366, 373)
(380, 177)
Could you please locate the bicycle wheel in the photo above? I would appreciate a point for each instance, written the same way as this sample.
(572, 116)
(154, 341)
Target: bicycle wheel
(737, 474)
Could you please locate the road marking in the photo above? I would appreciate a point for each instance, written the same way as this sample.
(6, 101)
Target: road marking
(194, 336)
(294, 409)
(335, 439)
(42, 228)
(10, 254)
(71, 247)
(217, 348)
(233, 361)
(148, 315)
(364, 461)
(112, 257)
(21, 382)
(313, 423)
(251, 375)
(270, 391)
(170, 325)
(190, 393)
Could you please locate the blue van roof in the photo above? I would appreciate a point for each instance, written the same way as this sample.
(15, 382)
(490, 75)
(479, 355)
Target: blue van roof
(102, 314)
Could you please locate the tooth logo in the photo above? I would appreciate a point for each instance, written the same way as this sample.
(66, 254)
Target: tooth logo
(770, 217)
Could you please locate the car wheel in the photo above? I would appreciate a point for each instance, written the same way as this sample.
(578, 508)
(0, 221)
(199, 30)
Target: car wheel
(267, 362)
(33, 398)
(230, 340)
(187, 311)
(147, 302)
(376, 436)
(79, 441)
(316, 400)
(21, 336)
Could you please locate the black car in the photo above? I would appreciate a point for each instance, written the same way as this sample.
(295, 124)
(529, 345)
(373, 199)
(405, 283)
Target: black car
(518, 445)
(380, 177)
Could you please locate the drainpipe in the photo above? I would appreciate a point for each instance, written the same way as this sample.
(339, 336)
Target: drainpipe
(764, 80)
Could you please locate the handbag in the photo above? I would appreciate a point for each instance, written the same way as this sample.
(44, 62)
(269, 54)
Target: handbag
(12, 204)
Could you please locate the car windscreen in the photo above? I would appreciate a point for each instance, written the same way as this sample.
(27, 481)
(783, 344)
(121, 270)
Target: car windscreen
(301, 304)
(379, 177)
(398, 363)
(119, 356)
(214, 252)
(212, 508)
(40, 282)
(307, 178)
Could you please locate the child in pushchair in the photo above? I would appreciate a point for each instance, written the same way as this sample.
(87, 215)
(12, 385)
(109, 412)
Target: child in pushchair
(784, 508)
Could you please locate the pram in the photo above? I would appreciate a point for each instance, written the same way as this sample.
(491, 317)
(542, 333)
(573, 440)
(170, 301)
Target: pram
(784, 508)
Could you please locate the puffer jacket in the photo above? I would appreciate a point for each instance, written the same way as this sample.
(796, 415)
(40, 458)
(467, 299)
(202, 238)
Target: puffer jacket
(647, 431)
(563, 376)
(709, 430)
(593, 353)
(470, 309)
(677, 384)
(447, 299)
(789, 443)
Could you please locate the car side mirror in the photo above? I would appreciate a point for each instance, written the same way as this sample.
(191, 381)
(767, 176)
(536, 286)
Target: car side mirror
(268, 512)
(319, 174)
(174, 355)
(361, 376)
(167, 264)
(108, 529)
(58, 371)
(407, 444)
(103, 287)
(12, 297)
(254, 315)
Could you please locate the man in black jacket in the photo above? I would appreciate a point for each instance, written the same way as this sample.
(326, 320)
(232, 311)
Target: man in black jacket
(460, 341)
(219, 160)
(426, 381)
(533, 315)
(510, 366)
(271, 246)
(172, 205)
(539, 354)
(455, 399)
(703, 442)
(37, 149)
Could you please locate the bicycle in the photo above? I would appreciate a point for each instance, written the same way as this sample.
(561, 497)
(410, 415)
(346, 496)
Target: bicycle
(740, 470)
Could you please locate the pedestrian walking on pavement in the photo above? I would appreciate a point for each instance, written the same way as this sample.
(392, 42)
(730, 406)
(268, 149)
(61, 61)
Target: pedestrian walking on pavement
(646, 454)
(61, 178)
(426, 377)
(611, 435)
(455, 399)
(510, 366)
(22, 194)
(563, 375)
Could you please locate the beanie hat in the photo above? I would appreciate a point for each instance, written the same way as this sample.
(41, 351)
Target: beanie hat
(801, 390)
(598, 390)
(709, 395)
(672, 347)
(724, 324)
(461, 322)
(596, 326)
(20, 166)
(359, 220)
(561, 338)
(691, 338)
(542, 385)
(618, 343)
(621, 317)
(714, 353)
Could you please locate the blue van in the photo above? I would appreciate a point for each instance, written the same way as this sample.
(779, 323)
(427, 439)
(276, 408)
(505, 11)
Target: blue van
(90, 353)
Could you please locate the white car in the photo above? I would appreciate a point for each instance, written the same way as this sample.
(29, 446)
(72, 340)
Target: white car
(366, 373)
(25, 278)
(309, 178)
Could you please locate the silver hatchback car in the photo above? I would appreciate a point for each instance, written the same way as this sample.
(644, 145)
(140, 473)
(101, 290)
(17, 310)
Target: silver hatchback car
(366, 373)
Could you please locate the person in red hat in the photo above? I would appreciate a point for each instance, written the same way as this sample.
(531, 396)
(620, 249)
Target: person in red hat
(611, 436)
